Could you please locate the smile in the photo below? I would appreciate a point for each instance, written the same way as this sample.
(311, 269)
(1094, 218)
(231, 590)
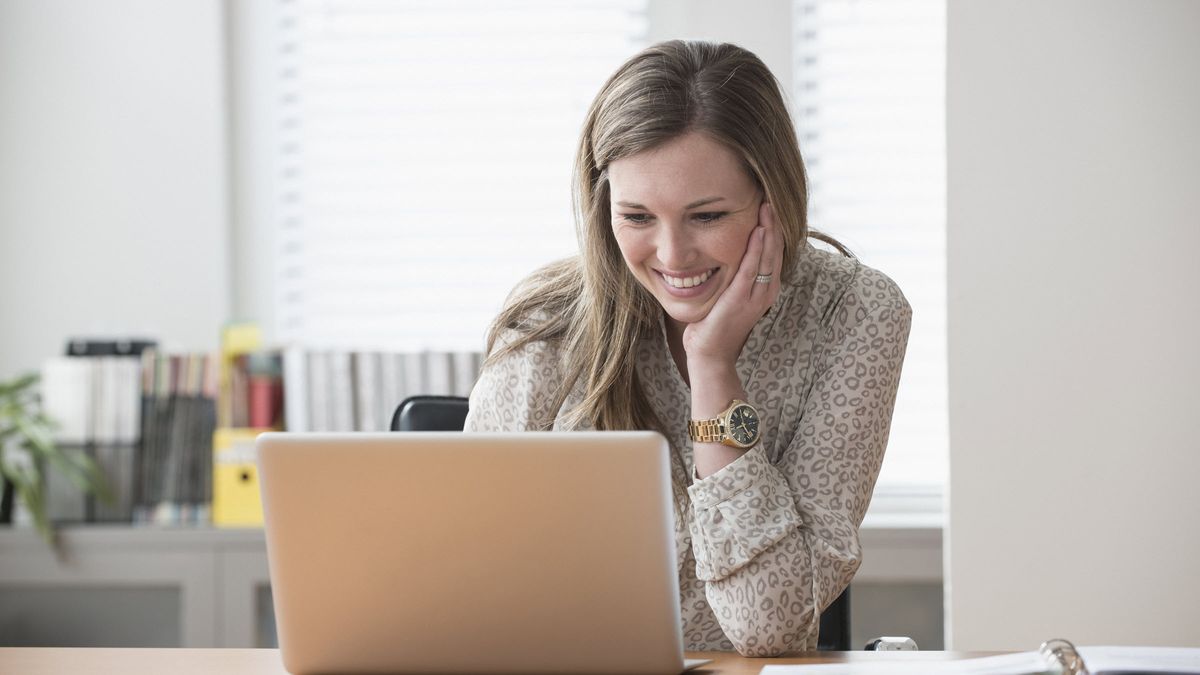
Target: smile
(687, 286)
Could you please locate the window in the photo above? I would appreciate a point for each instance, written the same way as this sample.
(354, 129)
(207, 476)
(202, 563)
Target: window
(869, 104)
(418, 157)
(424, 158)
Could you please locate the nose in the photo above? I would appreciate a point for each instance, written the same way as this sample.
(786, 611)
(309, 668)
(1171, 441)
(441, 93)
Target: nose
(675, 247)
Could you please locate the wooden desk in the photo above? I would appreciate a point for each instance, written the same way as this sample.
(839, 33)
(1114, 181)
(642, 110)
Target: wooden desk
(67, 661)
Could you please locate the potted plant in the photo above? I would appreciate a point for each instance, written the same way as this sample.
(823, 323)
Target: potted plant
(24, 426)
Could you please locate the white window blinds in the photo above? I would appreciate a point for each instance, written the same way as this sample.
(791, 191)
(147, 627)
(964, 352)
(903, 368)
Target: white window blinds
(869, 101)
(424, 157)
(421, 160)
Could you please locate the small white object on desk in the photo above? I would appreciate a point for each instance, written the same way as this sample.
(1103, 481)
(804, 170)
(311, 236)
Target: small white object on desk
(892, 644)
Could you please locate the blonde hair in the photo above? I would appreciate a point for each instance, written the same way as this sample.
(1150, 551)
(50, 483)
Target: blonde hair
(591, 306)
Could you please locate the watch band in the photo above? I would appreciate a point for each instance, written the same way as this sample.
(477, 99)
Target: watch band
(707, 431)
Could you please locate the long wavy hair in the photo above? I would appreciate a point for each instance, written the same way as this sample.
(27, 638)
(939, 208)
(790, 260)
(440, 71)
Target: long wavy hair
(591, 306)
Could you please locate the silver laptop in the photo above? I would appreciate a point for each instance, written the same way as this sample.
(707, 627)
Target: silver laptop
(472, 553)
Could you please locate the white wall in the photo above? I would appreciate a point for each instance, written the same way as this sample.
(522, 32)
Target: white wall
(113, 180)
(762, 26)
(1074, 194)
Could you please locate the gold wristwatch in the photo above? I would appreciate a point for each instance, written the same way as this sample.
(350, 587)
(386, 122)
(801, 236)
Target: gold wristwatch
(735, 426)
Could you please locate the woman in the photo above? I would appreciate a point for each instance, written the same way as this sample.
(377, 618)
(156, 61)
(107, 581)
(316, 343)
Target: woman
(698, 308)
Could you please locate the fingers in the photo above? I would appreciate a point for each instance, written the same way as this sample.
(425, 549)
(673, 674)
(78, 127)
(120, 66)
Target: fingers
(751, 259)
(771, 255)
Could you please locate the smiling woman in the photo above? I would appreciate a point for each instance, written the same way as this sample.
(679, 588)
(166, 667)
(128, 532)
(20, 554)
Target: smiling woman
(698, 308)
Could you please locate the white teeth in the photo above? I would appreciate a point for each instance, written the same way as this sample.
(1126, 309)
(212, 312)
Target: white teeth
(688, 282)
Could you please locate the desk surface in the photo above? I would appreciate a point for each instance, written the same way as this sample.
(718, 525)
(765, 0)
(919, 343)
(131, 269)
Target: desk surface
(46, 661)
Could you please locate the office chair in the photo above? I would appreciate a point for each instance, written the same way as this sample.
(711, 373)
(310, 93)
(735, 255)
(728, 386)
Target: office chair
(430, 413)
(449, 413)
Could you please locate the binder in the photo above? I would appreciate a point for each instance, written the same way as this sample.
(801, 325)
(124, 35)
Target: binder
(236, 501)
(295, 389)
(92, 392)
(1120, 660)
(67, 386)
(264, 389)
(128, 347)
(237, 340)
(116, 433)
(1061, 653)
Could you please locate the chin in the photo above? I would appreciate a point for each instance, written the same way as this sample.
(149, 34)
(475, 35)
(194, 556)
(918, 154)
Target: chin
(686, 315)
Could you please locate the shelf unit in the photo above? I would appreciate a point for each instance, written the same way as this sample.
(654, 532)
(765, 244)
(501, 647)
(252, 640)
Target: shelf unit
(217, 579)
(210, 587)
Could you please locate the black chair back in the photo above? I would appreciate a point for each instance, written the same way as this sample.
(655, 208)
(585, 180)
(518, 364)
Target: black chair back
(835, 625)
(430, 413)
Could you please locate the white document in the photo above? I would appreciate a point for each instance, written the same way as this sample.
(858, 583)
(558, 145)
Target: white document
(1177, 660)
(1099, 661)
(1024, 663)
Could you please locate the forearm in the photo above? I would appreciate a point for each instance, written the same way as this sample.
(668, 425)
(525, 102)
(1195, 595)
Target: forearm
(784, 619)
(714, 386)
(748, 534)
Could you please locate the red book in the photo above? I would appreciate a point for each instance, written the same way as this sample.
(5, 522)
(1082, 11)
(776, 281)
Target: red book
(266, 400)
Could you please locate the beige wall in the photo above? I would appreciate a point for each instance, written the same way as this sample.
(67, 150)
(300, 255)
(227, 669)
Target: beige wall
(1074, 323)
(113, 184)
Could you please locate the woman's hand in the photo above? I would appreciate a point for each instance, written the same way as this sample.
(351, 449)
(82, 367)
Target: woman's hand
(714, 342)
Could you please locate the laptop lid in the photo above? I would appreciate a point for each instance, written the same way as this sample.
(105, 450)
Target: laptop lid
(482, 553)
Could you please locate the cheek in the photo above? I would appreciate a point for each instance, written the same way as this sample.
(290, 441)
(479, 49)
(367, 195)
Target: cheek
(738, 251)
(634, 248)
(729, 246)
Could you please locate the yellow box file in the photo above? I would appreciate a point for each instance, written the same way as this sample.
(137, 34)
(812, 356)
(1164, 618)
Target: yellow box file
(236, 500)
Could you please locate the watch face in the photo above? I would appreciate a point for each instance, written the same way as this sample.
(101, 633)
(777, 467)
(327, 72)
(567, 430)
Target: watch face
(743, 425)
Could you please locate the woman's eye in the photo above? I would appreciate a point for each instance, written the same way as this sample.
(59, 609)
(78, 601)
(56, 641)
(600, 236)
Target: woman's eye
(711, 217)
(637, 218)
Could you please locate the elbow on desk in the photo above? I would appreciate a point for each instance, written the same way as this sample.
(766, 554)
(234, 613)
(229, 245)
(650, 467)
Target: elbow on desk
(782, 619)
(765, 640)
(769, 650)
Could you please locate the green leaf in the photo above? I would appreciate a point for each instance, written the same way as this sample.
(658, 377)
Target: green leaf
(98, 482)
(71, 463)
(6, 474)
(49, 423)
(29, 491)
(36, 434)
(22, 473)
(17, 386)
(21, 420)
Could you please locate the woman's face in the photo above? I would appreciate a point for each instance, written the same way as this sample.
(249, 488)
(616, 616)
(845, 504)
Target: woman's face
(682, 215)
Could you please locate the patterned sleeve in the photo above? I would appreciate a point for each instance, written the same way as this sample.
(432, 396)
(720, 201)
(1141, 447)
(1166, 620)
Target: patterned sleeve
(514, 393)
(776, 543)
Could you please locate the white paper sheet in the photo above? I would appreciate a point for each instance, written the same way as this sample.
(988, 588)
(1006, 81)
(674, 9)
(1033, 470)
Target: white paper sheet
(1099, 660)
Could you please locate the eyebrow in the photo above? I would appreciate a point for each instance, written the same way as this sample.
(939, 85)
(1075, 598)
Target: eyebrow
(693, 205)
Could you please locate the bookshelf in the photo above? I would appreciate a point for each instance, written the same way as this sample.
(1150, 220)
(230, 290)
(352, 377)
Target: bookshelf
(164, 582)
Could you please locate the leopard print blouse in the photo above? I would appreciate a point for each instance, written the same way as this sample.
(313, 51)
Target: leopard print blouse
(768, 541)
